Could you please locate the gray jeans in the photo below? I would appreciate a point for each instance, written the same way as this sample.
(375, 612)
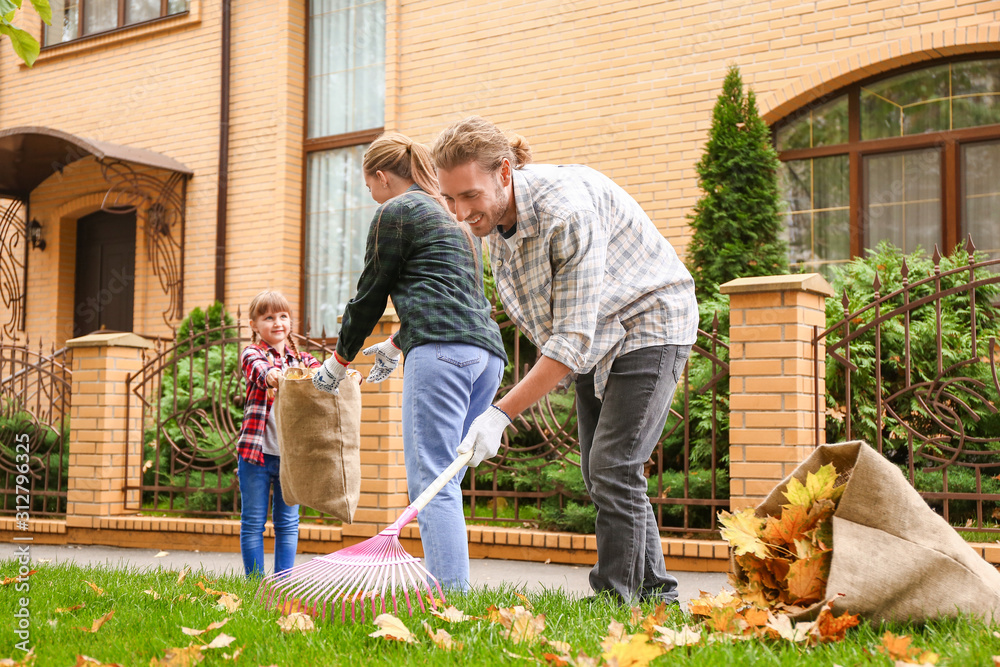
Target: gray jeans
(617, 437)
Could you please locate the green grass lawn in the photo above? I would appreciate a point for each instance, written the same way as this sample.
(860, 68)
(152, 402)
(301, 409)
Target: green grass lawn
(145, 626)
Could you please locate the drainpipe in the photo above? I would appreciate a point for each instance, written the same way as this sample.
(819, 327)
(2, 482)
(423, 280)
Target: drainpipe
(222, 198)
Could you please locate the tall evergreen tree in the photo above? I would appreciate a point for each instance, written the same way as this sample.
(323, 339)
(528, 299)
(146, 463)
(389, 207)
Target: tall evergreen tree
(737, 222)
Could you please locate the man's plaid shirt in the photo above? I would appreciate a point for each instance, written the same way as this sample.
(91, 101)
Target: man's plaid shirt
(591, 277)
(417, 254)
(255, 361)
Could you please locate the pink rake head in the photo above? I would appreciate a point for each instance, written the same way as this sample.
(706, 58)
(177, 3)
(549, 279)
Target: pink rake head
(370, 571)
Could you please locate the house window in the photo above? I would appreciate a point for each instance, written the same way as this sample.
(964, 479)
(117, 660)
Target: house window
(104, 15)
(346, 111)
(909, 158)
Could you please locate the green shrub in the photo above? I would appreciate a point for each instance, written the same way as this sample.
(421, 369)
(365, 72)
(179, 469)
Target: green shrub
(200, 412)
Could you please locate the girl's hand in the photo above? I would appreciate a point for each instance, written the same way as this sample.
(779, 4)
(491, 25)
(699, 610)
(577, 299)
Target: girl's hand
(271, 379)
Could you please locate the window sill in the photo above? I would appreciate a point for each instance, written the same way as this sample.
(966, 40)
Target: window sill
(111, 38)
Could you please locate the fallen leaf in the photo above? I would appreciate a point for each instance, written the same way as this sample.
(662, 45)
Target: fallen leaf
(671, 638)
(295, 605)
(829, 628)
(7, 581)
(635, 615)
(211, 626)
(742, 531)
(616, 634)
(87, 661)
(442, 639)
(28, 659)
(179, 657)
(782, 627)
(451, 614)
(807, 578)
(61, 610)
(526, 601)
(562, 647)
(556, 660)
(162, 554)
(183, 575)
(99, 591)
(296, 622)
(434, 601)
(148, 591)
(234, 656)
(657, 617)
(637, 652)
(222, 640)
(96, 625)
(210, 591)
(523, 626)
(897, 647)
(229, 602)
(703, 605)
(392, 628)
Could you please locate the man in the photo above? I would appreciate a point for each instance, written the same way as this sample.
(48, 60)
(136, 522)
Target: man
(581, 270)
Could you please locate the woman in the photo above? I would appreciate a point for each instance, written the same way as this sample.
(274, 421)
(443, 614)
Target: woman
(420, 256)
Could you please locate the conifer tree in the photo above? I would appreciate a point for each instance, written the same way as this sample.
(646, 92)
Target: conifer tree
(737, 222)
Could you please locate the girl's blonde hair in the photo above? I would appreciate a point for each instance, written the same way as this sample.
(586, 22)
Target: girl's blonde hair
(270, 301)
(398, 154)
(477, 139)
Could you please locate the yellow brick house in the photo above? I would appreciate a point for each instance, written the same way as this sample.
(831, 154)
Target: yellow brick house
(221, 140)
(162, 154)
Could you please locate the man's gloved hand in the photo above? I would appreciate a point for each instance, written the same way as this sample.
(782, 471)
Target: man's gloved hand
(386, 358)
(484, 435)
(330, 374)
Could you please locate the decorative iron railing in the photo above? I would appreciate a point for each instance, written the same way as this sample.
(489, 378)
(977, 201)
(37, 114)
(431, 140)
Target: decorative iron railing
(35, 398)
(191, 393)
(914, 372)
(536, 479)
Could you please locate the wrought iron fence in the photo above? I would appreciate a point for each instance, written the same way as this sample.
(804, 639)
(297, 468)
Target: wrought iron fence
(536, 479)
(191, 392)
(914, 373)
(35, 398)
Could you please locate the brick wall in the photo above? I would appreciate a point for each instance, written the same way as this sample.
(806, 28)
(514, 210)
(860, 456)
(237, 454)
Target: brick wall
(628, 87)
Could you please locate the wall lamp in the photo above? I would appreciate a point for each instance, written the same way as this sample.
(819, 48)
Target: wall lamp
(35, 234)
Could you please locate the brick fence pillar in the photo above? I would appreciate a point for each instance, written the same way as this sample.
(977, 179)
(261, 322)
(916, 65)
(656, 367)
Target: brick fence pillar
(771, 378)
(383, 473)
(98, 425)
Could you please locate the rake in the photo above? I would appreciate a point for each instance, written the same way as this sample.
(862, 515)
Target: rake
(364, 575)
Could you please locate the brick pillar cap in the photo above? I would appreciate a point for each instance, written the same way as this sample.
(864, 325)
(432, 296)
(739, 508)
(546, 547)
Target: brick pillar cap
(117, 339)
(798, 282)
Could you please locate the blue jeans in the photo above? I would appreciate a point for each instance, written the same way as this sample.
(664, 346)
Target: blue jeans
(256, 483)
(617, 437)
(445, 387)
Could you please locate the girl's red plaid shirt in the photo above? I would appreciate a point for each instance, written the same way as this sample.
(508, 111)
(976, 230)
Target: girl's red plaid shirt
(256, 361)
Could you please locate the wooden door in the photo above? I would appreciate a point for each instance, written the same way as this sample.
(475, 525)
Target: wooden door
(105, 272)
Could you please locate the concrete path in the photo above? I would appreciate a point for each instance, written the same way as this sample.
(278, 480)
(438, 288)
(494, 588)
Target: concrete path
(528, 576)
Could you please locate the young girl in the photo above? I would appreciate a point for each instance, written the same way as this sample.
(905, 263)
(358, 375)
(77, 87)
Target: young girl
(272, 350)
(417, 254)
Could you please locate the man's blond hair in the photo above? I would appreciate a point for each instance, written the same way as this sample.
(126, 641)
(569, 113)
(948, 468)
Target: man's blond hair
(477, 139)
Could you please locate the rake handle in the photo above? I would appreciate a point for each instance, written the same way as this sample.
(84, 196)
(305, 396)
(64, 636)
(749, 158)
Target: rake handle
(441, 480)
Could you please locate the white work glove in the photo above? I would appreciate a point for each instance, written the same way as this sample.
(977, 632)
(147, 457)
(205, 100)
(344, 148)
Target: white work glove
(484, 435)
(329, 375)
(386, 358)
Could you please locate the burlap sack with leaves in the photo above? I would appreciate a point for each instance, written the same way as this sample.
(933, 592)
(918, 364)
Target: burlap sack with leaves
(320, 439)
(894, 558)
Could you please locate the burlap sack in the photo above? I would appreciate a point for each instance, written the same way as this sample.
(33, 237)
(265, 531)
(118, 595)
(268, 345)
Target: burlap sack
(894, 558)
(320, 439)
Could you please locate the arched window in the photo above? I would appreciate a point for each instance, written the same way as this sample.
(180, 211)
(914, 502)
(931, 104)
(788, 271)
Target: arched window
(912, 157)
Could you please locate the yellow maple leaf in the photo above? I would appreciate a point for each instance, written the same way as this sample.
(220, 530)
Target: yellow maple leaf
(807, 578)
(897, 647)
(392, 628)
(818, 486)
(524, 626)
(743, 530)
(95, 587)
(638, 651)
(96, 625)
(179, 657)
(616, 634)
(451, 614)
